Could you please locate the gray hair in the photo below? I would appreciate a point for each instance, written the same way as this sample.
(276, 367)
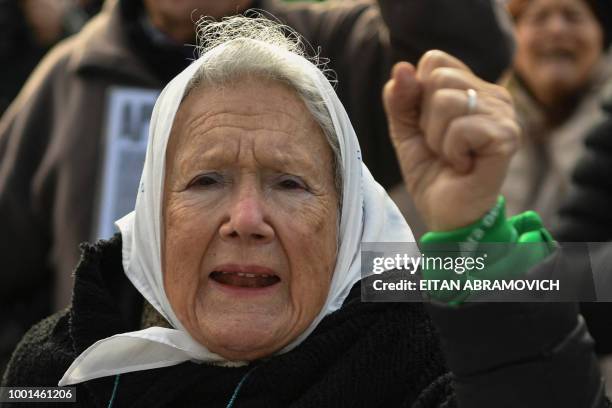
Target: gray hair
(250, 55)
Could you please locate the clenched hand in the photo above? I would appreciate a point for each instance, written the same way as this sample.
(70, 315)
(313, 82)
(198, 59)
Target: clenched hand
(454, 135)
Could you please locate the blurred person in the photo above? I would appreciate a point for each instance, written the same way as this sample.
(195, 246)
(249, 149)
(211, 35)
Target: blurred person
(585, 213)
(560, 68)
(236, 279)
(585, 216)
(73, 142)
(28, 29)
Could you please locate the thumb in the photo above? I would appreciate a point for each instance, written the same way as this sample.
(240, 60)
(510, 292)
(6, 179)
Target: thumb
(402, 101)
(402, 96)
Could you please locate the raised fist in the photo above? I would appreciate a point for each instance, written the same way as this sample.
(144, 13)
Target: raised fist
(454, 135)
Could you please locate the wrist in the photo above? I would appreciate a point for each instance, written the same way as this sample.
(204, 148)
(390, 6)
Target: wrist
(457, 219)
(500, 240)
(491, 227)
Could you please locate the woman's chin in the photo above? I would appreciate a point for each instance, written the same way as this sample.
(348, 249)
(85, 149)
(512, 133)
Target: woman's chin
(245, 347)
(245, 340)
(563, 80)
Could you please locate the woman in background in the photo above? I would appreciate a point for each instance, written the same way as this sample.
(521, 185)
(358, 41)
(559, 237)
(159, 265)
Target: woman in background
(559, 71)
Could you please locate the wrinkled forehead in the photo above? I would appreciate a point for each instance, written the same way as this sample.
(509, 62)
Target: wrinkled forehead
(247, 104)
(175, 104)
(260, 118)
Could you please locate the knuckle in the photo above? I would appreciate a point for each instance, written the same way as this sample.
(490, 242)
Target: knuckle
(433, 56)
(442, 77)
(431, 60)
(503, 94)
(443, 101)
(511, 127)
(509, 133)
(516, 132)
(464, 125)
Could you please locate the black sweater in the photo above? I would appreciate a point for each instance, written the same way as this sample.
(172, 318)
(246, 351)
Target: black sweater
(364, 355)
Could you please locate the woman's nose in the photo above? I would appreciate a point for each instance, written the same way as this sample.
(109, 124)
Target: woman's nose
(558, 24)
(247, 221)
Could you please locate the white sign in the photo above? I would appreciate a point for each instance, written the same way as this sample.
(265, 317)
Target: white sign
(125, 144)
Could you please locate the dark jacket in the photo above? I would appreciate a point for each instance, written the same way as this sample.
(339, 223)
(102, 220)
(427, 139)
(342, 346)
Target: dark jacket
(585, 215)
(363, 355)
(52, 138)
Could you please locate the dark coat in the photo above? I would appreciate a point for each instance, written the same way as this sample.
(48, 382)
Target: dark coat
(586, 215)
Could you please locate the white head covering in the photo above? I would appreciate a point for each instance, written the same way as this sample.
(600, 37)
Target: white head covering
(368, 215)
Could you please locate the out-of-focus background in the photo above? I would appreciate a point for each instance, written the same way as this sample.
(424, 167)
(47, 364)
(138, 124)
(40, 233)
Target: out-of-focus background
(79, 80)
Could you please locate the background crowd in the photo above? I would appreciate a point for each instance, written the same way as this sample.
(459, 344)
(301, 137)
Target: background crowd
(77, 95)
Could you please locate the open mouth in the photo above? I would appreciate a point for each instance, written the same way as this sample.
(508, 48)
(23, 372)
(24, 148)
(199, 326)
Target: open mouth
(558, 55)
(244, 280)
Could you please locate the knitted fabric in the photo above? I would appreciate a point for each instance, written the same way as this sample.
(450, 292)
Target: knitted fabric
(364, 355)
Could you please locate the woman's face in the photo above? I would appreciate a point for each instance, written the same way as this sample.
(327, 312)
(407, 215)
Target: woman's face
(559, 43)
(250, 218)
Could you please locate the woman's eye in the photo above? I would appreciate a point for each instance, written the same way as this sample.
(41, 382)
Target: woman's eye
(574, 16)
(535, 18)
(291, 184)
(206, 181)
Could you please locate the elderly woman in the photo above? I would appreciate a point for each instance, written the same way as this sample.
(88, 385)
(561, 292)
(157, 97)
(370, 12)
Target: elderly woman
(236, 280)
(560, 68)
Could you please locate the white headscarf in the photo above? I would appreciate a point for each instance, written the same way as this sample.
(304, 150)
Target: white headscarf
(368, 215)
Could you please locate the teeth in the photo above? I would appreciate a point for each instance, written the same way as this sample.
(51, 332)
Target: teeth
(247, 275)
